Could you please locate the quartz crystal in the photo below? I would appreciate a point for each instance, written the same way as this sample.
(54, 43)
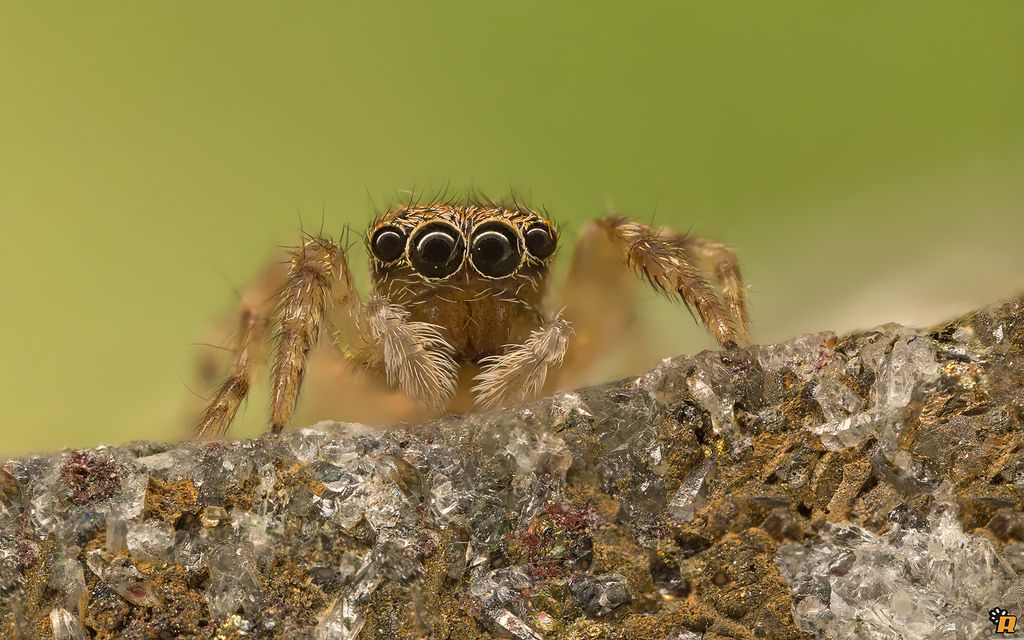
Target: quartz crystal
(600, 595)
(930, 581)
(65, 626)
(693, 492)
(909, 364)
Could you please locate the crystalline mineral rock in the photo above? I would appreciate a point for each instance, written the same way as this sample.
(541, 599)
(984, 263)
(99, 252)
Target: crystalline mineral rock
(860, 486)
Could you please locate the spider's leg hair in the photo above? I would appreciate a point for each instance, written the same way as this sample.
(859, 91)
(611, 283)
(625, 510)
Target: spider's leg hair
(304, 303)
(722, 262)
(664, 261)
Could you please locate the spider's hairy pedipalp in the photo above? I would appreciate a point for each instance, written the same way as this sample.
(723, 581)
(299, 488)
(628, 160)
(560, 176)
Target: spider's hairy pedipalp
(521, 371)
(305, 301)
(414, 356)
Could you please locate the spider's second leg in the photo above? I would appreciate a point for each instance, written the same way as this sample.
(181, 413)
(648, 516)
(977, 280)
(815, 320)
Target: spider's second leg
(599, 298)
(520, 372)
(305, 300)
(666, 261)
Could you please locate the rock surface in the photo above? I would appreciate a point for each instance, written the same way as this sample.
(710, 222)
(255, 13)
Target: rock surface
(866, 486)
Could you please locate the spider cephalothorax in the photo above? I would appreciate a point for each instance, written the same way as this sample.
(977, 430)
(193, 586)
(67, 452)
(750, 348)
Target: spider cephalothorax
(460, 305)
(478, 271)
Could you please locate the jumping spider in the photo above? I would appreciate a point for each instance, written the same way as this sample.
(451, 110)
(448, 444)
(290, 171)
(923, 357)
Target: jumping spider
(458, 312)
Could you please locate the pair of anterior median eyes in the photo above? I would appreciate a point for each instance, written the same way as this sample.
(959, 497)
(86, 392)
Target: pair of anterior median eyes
(437, 249)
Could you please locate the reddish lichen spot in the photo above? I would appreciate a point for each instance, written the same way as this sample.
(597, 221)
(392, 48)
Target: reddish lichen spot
(568, 518)
(87, 477)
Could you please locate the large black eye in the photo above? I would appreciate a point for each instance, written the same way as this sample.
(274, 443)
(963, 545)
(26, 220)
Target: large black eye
(437, 250)
(388, 243)
(539, 241)
(495, 250)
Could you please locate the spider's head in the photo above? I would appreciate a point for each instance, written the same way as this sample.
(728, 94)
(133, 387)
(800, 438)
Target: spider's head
(439, 244)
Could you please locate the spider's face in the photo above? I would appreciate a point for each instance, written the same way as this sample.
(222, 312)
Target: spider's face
(442, 243)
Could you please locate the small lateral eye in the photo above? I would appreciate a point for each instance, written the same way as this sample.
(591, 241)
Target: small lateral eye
(539, 241)
(388, 243)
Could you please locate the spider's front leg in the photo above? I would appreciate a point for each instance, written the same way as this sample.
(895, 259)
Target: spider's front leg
(317, 276)
(598, 295)
(668, 261)
(520, 372)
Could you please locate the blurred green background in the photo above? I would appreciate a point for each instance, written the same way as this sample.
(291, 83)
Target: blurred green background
(865, 159)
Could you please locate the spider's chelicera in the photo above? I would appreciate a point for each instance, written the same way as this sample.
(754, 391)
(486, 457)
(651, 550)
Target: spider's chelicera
(460, 305)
